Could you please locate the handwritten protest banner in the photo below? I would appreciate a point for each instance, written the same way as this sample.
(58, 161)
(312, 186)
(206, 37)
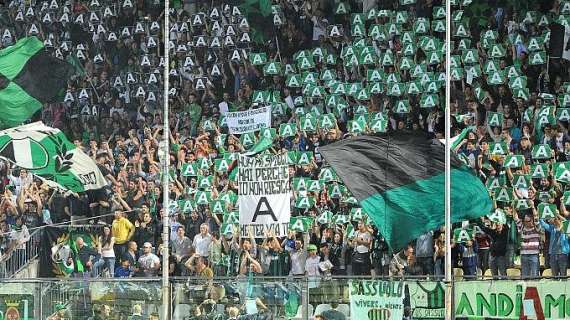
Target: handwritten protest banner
(264, 194)
(376, 299)
(248, 121)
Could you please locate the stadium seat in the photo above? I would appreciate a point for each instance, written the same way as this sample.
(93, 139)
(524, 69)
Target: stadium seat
(488, 274)
(513, 273)
(322, 308)
(547, 273)
(344, 308)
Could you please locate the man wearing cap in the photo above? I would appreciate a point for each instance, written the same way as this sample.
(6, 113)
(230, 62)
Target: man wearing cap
(149, 263)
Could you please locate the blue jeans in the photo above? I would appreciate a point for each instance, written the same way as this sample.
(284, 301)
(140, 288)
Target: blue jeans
(529, 266)
(100, 264)
(110, 264)
(498, 266)
(558, 264)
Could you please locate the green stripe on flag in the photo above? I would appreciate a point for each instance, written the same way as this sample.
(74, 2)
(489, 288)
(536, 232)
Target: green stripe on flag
(404, 213)
(262, 145)
(17, 106)
(14, 58)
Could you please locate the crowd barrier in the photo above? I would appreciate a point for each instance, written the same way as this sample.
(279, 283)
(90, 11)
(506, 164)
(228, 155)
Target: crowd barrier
(13, 261)
(285, 298)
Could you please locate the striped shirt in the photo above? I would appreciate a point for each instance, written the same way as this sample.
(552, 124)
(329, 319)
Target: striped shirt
(530, 239)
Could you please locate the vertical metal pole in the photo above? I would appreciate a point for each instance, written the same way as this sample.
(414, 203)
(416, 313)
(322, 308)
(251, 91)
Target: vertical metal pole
(305, 297)
(448, 269)
(165, 168)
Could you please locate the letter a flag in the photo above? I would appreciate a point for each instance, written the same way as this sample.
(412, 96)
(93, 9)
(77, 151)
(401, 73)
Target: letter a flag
(47, 153)
(29, 77)
(399, 182)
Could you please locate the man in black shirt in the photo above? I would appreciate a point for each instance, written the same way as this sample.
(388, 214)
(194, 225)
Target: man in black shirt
(88, 257)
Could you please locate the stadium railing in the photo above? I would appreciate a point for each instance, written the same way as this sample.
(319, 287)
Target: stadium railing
(15, 260)
(280, 297)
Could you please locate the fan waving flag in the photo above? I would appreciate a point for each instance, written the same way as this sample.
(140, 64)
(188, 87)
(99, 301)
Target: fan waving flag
(29, 77)
(47, 153)
(399, 182)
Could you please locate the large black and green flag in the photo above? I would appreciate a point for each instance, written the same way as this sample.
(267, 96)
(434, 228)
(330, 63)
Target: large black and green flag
(29, 77)
(399, 181)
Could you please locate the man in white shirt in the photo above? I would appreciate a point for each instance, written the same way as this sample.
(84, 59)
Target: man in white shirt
(149, 263)
(202, 241)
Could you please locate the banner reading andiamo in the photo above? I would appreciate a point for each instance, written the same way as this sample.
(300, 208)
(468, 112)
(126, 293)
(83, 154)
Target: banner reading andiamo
(376, 299)
(507, 299)
(249, 121)
(264, 195)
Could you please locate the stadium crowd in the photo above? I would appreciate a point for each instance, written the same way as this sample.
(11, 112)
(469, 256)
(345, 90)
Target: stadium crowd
(369, 66)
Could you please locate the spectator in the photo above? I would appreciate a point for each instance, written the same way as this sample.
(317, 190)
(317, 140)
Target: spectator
(122, 230)
(88, 257)
(197, 264)
(402, 262)
(361, 256)
(498, 251)
(530, 244)
(124, 270)
(106, 250)
(182, 246)
(148, 262)
(202, 241)
(469, 253)
(424, 253)
(558, 246)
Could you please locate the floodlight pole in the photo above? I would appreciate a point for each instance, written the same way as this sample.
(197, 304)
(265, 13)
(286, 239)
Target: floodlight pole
(165, 168)
(447, 193)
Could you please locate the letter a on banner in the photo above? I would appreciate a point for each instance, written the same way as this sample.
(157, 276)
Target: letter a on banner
(267, 211)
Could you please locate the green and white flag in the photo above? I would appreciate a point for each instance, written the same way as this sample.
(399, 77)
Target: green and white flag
(539, 170)
(504, 194)
(300, 224)
(304, 202)
(537, 58)
(495, 119)
(562, 175)
(325, 217)
(546, 210)
(541, 151)
(461, 235)
(498, 216)
(47, 153)
(498, 148)
(513, 161)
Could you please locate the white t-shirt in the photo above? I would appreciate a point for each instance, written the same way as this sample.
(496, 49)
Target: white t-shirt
(366, 236)
(202, 244)
(148, 263)
(223, 107)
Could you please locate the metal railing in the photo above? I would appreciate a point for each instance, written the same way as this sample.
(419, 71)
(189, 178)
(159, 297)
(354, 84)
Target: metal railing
(298, 298)
(18, 258)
